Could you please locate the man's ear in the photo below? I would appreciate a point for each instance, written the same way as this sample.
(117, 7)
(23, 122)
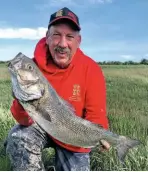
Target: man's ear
(79, 39)
(47, 37)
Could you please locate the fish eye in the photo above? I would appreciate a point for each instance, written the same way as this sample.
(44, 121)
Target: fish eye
(30, 67)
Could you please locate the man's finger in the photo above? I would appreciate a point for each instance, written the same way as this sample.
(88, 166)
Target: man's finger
(105, 144)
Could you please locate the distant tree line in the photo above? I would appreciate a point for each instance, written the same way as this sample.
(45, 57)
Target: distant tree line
(130, 62)
(4, 62)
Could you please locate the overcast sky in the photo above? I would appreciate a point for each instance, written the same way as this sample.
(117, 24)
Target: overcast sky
(111, 29)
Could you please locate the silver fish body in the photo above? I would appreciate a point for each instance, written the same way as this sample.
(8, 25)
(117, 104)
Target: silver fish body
(56, 116)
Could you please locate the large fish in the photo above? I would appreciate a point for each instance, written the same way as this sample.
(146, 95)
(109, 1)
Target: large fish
(55, 115)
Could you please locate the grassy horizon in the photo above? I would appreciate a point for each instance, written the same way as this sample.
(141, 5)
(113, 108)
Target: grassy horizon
(127, 110)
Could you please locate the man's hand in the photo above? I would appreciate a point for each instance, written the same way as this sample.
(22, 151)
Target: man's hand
(105, 146)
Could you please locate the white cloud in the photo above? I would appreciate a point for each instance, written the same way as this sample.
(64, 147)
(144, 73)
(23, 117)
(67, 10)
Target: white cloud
(127, 57)
(22, 33)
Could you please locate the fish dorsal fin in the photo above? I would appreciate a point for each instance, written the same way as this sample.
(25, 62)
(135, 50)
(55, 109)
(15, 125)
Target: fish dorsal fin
(60, 100)
(67, 104)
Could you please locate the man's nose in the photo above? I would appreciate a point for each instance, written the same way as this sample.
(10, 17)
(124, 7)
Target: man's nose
(63, 42)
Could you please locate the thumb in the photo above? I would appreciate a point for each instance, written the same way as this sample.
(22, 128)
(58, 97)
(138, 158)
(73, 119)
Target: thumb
(105, 144)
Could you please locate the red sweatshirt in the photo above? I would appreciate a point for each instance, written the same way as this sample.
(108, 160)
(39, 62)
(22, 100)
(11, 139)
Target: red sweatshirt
(82, 84)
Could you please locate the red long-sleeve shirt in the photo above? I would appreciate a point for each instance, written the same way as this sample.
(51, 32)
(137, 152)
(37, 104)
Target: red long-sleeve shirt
(82, 84)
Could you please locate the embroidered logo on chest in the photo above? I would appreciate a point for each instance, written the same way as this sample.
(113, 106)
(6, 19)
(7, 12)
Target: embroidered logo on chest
(76, 93)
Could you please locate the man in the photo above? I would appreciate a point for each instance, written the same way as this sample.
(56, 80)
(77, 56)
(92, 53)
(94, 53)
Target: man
(77, 79)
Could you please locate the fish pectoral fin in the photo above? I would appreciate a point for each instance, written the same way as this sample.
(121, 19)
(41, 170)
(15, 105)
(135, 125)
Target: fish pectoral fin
(124, 146)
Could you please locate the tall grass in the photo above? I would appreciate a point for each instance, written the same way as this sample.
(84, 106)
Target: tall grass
(127, 110)
(6, 120)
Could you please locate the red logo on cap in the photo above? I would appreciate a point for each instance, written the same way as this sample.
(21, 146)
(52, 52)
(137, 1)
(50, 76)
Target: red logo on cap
(73, 16)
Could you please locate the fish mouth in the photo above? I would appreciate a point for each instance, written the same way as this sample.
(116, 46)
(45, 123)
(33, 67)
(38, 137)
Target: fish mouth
(27, 83)
(13, 71)
(24, 92)
(17, 62)
(11, 68)
(24, 89)
(22, 85)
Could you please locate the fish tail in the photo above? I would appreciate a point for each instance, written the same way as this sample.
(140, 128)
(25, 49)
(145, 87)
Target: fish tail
(124, 145)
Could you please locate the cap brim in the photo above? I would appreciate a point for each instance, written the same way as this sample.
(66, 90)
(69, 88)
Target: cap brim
(64, 17)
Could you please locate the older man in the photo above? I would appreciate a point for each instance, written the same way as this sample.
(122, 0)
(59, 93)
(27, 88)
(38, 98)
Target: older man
(78, 79)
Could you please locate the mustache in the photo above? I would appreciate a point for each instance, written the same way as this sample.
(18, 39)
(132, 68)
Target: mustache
(61, 50)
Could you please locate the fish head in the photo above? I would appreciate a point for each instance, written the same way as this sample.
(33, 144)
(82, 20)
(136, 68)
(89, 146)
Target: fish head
(26, 79)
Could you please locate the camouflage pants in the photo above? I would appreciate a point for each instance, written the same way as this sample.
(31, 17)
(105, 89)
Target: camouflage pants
(24, 147)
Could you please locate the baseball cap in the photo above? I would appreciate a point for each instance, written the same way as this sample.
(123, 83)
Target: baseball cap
(65, 14)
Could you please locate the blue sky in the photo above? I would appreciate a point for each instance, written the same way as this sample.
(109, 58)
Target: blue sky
(111, 29)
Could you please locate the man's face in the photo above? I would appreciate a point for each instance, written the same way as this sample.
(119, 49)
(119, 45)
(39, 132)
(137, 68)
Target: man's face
(63, 43)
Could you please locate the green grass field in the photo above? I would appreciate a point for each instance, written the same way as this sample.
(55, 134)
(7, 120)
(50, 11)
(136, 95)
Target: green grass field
(127, 109)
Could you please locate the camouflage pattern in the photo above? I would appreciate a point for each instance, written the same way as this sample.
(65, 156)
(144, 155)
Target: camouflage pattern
(71, 161)
(24, 147)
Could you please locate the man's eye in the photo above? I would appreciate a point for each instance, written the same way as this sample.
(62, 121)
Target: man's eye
(56, 34)
(70, 36)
